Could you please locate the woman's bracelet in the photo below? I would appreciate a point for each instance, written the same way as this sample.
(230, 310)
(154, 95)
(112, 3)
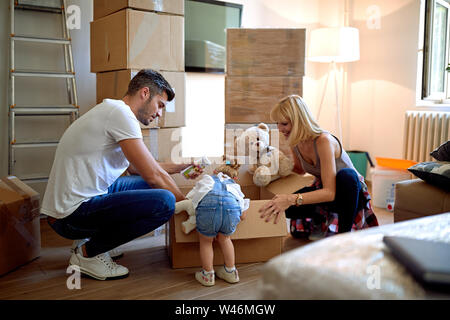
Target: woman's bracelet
(299, 200)
(295, 199)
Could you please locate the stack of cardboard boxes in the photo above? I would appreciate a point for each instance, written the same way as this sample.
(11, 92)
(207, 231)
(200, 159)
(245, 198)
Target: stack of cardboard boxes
(130, 35)
(263, 66)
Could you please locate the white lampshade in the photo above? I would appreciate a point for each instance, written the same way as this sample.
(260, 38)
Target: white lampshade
(334, 45)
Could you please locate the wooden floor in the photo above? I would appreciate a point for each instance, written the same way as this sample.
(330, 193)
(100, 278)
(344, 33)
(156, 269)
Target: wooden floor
(151, 276)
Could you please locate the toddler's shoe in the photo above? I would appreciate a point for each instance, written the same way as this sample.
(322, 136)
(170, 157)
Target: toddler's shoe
(205, 278)
(229, 276)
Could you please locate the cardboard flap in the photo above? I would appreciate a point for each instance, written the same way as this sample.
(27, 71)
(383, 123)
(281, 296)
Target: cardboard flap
(13, 190)
(289, 184)
(252, 227)
(20, 187)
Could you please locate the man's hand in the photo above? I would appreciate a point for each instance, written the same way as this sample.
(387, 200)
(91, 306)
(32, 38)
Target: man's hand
(142, 160)
(277, 206)
(172, 168)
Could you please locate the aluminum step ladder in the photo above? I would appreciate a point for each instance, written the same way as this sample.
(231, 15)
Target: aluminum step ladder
(71, 109)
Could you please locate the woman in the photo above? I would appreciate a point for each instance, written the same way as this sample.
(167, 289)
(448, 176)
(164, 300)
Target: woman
(338, 200)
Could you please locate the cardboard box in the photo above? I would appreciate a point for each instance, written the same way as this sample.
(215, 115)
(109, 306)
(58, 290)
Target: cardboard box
(254, 240)
(131, 39)
(114, 85)
(250, 99)
(266, 52)
(105, 7)
(165, 144)
(20, 238)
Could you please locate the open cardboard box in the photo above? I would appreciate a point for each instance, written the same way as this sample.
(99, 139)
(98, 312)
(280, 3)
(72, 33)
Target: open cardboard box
(254, 240)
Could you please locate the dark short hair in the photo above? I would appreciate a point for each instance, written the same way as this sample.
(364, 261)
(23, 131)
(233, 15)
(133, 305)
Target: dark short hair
(153, 80)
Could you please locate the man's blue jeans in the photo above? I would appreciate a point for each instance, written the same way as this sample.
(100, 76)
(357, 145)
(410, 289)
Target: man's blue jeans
(130, 209)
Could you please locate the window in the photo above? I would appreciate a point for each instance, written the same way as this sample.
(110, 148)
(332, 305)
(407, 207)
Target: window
(435, 82)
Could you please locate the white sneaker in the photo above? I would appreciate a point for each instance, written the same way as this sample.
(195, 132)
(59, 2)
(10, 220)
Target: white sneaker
(114, 253)
(206, 279)
(100, 267)
(228, 276)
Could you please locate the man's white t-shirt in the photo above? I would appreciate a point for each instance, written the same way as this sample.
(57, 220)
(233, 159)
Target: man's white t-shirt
(89, 158)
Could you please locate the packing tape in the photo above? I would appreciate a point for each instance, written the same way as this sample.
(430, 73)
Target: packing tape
(20, 228)
(158, 4)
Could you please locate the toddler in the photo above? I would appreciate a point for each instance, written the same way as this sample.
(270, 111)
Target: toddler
(219, 206)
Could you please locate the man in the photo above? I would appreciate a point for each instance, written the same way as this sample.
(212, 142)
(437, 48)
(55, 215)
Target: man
(86, 196)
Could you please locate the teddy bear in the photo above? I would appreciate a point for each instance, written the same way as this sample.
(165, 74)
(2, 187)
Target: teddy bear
(231, 170)
(267, 163)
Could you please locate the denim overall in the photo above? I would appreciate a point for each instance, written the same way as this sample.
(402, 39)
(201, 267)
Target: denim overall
(218, 211)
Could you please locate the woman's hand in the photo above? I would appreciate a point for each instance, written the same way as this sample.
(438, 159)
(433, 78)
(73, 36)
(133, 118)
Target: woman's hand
(277, 206)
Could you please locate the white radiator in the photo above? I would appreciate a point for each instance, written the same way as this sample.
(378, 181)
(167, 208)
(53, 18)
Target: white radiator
(424, 131)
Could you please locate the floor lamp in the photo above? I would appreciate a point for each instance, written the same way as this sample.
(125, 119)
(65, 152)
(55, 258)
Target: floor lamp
(333, 45)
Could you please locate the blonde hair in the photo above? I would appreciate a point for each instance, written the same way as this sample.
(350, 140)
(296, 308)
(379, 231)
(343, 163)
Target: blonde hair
(304, 126)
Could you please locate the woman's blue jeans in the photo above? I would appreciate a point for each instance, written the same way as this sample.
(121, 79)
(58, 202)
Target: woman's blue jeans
(130, 209)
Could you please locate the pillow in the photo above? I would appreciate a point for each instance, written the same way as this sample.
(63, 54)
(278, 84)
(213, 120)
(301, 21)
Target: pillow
(442, 153)
(435, 173)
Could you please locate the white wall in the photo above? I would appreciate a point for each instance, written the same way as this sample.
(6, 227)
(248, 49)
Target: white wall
(383, 82)
(375, 91)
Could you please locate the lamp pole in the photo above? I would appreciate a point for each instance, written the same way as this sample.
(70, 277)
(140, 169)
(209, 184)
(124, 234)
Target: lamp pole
(332, 67)
(338, 109)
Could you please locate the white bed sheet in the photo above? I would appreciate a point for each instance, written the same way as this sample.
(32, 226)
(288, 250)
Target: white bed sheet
(355, 265)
